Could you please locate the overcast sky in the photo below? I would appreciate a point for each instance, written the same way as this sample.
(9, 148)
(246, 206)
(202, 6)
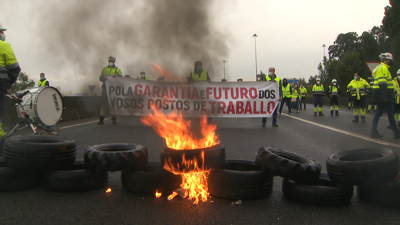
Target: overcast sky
(290, 37)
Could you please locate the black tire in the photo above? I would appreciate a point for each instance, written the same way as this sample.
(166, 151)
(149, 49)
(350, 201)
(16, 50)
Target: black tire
(387, 194)
(150, 179)
(240, 180)
(39, 152)
(115, 157)
(363, 166)
(214, 158)
(288, 165)
(15, 180)
(323, 192)
(75, 178)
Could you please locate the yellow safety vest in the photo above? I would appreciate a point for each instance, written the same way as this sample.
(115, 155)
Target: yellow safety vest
(334, 90)
(42, 83)
(7, 59)
(359, 87)
(318, 90)
(303, 92)
(286, 91)
(203, 75)
(295, 94)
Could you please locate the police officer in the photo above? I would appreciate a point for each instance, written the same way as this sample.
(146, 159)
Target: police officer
(43, 82)
(199, 73)
(383, 95)
(9, 71)
(334, 92)
(110, 70)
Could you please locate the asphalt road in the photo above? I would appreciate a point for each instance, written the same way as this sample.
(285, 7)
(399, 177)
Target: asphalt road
(302, 133)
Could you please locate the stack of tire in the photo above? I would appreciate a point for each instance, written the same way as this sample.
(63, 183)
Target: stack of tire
(372, 170)
(303, 181)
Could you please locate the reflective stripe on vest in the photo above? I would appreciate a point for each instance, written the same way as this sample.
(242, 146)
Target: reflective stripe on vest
(203, 75)
(303, 91)
(318, 90)
(334, 90)
(286, 91)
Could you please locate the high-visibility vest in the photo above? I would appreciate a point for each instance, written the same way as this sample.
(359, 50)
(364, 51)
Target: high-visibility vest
(203, 75)
(397, 88)
(7, 60)
(110, 71)
(318, 90)
(43, 83)
(359, 87)
(303, 92)
(333, 90)
(295, 93)
(286, 91)
(382, 75)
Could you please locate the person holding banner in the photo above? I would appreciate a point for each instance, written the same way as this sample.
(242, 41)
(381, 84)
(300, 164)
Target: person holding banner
(272, 77)
(143, 76)
(110, 70)
(198, 73)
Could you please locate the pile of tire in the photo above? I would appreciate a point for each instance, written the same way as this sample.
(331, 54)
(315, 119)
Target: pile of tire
(303, 181)
(372, 170)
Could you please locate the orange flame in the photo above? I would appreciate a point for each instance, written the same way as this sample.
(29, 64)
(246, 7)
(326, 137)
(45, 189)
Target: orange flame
(158, 194)
(178, 135)
(108, 190)
(168, 76)
(177, 132)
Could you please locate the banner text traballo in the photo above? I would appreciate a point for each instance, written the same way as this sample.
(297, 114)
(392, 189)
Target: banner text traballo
(129, 96)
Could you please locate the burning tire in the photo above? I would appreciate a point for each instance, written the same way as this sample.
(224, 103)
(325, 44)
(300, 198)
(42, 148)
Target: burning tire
(39, 152)
(114, 157)
(240, 180)
(214, 158)
(363, 166)
(15, 180)
(323, 192)
(149, 180)
(75, 178)
(382, 194)
(288, 165)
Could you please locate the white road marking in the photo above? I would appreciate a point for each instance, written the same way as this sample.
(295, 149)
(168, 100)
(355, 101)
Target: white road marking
(345, 132)
(79, 124)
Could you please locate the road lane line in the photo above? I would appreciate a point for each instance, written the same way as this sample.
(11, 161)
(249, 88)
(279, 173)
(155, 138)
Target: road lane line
(345, 132)
(79, 124)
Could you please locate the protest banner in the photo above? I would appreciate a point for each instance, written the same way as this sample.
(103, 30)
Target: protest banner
(129, 96)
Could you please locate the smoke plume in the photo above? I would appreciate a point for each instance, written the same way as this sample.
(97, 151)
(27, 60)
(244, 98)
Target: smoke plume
(78, 36)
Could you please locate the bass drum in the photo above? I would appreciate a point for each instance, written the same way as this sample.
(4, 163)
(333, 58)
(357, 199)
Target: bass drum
(43, 104)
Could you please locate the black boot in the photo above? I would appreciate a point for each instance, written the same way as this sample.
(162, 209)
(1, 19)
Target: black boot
(331, 112)
(321, 114)
(101, 119)
(114, 119)
(337, 113)
(315, 113)
(355, 119)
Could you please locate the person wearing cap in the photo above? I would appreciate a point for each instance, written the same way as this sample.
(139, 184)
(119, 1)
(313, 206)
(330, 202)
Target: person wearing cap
(383, 95)
(143, 76)
(109, 71)
(303, 93)
(358, 90)
(199, 73)
(43, 82)
(274, 78)
(371, 106)
(334, 92)
(9, 71)
(318, 93)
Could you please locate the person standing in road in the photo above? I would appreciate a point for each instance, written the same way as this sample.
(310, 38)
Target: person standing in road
(108, 71)
(199, 73)
(295, 98)
(358, 90)
(303, 93)
(43, 82)
(397, 104)
(383, 95)
(274, 78)
(9, 71)
(371, 106)
(318, 94)
(286, 96)
(334, 92)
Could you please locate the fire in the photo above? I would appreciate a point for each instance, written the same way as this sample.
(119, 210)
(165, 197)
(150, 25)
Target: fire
(178, 135)
(177, 132)
(108, 190)
(168, 76)
(158, 194)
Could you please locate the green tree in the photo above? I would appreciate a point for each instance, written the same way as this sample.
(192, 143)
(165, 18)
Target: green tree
(23, 82)
(391, 26)
(343, 43)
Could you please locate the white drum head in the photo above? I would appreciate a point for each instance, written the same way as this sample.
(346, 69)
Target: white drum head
(49, 106)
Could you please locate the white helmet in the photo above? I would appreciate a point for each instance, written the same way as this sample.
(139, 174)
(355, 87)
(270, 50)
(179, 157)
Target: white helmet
(398, 72)
(2, 28)
(318, 79)
(334, 81)
(386, 55)
(111, 58)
